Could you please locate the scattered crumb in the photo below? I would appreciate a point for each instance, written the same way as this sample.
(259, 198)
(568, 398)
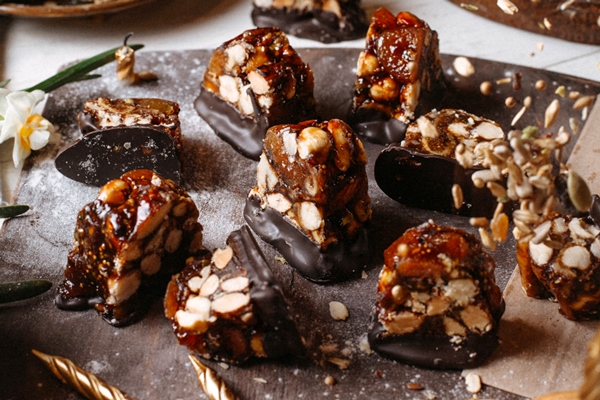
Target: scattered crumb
(260, 380)
(338, 311)
(224, 365)
(329, 380)
(363, 275)
(339, 362)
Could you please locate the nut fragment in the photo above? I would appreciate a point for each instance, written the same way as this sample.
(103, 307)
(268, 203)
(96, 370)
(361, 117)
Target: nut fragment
(463, 66)
(221, 257)
(486, 88)
(230, 302)
(473, 382)
(507, 6)
(338, 311)
(551, 113)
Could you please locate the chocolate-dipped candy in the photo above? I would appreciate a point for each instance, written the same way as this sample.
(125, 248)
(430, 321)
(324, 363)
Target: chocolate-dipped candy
(327, 21)
(438, 305)
(128, 243)
(423, 168)
(121, 135)
(227, 306)
(311, 202)
(398, 76)
(254, 81)
(103, 113)
(562, 262)
(106, 154)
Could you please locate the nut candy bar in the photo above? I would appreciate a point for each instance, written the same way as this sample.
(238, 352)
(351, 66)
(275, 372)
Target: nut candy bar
(562, 262)
(438, 305)
(398, 76)
(103, 113)
(311, 202)
(252, 82)
(128, 243)
(121, 135)
(227, 306)
(421, 170)
(327, 21)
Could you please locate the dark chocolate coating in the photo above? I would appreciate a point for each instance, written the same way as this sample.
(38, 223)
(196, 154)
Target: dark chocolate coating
(433, 351)
(280, 334)
(317, 24)
(377, 127)
(244, 134)
(425, 181)
(106, 154)
(341, 260)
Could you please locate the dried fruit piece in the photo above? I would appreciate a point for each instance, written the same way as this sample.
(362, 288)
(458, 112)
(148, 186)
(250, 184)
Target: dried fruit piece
(245, 316)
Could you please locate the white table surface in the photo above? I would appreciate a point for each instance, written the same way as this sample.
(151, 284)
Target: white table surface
(34, 49)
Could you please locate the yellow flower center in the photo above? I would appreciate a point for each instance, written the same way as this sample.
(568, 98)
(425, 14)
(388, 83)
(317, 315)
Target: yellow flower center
(33, 121)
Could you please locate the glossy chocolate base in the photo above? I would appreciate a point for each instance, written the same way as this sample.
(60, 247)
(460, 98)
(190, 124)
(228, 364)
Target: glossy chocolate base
(106, 154)
(425, 181)
(280, 334)
(317, 25)
(377, 127)
(433, 351)
(244, 134)
(340, 262)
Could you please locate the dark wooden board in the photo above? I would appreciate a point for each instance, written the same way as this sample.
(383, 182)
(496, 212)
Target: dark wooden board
(144, 359)
(577, 22)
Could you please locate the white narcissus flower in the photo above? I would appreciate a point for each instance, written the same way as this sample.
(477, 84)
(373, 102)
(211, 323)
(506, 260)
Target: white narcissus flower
(30, 131)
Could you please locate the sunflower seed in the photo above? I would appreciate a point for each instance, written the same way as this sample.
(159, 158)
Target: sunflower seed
(457, 196)
(551, 113)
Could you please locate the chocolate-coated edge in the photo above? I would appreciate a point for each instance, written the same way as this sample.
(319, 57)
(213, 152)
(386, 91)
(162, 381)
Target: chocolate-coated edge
(377, 127)
(280, 336)
(425, 181)
(322, 26)
(595, 209)
(244, 134)
(433, 351)
(99, 146)
(341, 260)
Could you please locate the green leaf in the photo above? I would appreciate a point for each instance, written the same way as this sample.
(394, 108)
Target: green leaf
(13, 210)
(79, 70)
(4, 83)
(21, 290)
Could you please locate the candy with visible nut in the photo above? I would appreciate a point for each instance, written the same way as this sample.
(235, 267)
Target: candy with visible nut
(327, 21)
(104, 113)
(438, 305)
(252, 82)
(398, 76)
(564, 264)
(243, 315)
(311, 201)
(128, 243)
(442, 150)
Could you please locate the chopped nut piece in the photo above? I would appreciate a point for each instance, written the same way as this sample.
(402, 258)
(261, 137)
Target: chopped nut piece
(463, 66)
(473, 382)
(338, 311)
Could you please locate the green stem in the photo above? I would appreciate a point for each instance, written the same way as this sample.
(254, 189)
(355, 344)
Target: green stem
(78, 71)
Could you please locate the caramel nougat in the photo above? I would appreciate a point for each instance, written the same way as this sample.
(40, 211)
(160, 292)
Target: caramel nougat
(254, 81)
(562, 262)
(438, 304)
(312, 180)
(128, 243)
(399, 75)
(227, 306)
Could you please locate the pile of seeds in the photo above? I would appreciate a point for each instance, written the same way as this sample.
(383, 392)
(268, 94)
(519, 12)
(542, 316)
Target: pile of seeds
(522, 169)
